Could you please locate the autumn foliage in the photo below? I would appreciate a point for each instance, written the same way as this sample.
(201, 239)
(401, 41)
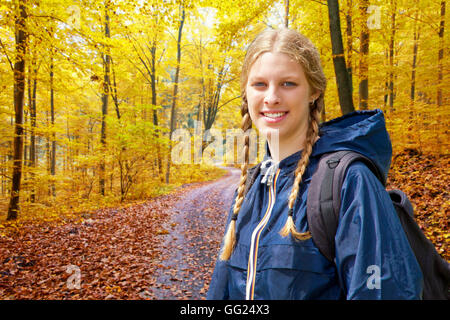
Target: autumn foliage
(91, 91)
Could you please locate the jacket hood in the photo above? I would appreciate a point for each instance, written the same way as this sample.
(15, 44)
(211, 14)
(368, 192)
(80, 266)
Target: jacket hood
(360, 131)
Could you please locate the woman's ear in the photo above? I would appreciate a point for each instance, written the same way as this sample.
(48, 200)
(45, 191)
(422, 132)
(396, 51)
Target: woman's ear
(314, 96)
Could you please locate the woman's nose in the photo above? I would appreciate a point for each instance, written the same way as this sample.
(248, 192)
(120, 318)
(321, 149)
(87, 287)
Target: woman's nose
(271, 97)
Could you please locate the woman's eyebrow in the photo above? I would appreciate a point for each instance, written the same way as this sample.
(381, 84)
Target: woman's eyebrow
(291, 76)
(284, 77)
(254, 78)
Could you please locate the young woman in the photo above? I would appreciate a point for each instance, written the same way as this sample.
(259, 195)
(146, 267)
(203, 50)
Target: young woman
(268, 252)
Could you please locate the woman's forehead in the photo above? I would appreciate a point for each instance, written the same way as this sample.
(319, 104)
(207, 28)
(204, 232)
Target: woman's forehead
(270, 63)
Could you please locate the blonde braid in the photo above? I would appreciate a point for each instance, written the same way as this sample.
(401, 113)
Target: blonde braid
(230, 235)
(313, 133)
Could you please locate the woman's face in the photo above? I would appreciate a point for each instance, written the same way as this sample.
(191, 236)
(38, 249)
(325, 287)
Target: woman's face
(278, 97)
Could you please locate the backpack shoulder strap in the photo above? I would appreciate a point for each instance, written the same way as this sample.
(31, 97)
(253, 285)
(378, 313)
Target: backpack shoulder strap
(252, 174)
(324, 197)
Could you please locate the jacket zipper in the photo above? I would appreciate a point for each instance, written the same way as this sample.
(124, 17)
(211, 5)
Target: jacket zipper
(253, 256)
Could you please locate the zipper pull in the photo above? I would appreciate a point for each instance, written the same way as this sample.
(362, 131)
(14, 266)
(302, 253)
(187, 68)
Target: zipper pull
(268, 172)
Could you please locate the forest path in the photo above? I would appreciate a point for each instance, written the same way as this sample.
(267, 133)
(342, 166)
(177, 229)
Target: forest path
(190, 249)
(164, 248)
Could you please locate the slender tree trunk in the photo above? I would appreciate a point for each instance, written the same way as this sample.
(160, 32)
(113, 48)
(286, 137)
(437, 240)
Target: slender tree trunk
(175, 91)
(349, 33)
(155, 112)
(386, 79)
(113, 90)
(340, 68)
(441, 55)
(26, 149)
(33, 112)
(52, 119)
(364, 57)
(105, 95)
(414, 62)
(19, 93)
(286, 16)
(391, 56)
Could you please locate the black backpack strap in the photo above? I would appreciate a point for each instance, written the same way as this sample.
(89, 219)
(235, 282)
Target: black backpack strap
(252, 175)
(324, 197)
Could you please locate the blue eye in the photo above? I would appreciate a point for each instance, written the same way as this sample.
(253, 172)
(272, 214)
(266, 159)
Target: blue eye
(258, 84)
(289, 84)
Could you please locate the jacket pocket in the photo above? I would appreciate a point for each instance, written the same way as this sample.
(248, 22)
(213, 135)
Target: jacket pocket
(303, 256)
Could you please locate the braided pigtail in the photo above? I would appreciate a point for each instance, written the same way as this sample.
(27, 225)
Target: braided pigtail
(230, 235)
(312, 134)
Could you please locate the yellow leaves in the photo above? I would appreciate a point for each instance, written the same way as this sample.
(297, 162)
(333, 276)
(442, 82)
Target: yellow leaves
(162, 232)
(113, 289)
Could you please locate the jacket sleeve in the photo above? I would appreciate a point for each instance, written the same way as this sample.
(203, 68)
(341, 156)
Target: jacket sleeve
(218, 288)
(373, 257)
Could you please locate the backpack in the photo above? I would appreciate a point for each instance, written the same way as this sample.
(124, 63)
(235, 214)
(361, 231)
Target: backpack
(323, 206)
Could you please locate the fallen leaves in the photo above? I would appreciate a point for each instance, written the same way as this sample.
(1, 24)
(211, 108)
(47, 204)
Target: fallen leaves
(139, 252)
(425, 179)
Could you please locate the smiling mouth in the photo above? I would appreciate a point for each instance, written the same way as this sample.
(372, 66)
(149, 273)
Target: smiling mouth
(273, 115)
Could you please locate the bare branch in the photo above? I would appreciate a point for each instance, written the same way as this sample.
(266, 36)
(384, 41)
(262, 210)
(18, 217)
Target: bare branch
(6, 54)
(223, 104)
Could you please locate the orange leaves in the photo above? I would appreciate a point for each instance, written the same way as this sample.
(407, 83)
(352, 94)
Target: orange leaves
(163, 248)
(112, 255)
(425, 179)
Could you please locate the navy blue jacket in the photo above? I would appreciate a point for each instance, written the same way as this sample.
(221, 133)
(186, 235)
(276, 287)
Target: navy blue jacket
(373, 257)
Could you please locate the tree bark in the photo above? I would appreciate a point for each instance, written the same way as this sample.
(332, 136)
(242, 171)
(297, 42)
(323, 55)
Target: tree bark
(441, 55)
(155, 112)
(33, 153)
(105, 95)
(52, 119)
(414, 62)
(175, 91)
(391, 56)
(364, 57)
(340, 68)
(349, 33)
(286, 16)
(19, 93)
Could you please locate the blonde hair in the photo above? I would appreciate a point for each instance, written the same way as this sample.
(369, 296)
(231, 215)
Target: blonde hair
(301, 49)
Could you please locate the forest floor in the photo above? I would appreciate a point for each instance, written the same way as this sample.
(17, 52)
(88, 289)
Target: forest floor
(166, 248)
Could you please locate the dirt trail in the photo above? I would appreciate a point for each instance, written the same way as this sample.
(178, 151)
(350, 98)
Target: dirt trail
(164, 248)
(189, 250)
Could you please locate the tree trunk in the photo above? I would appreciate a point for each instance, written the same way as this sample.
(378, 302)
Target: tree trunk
(340, 68)
(19, 92)
(391, 56)
(441, 55)
(175, 91)
(155, 112)
(113, 90)
(364, 57)
(386, 79)
(52, 119)
(33, 153)
(286, 16)
(349, 33)
(414, 62)
(105, 95)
